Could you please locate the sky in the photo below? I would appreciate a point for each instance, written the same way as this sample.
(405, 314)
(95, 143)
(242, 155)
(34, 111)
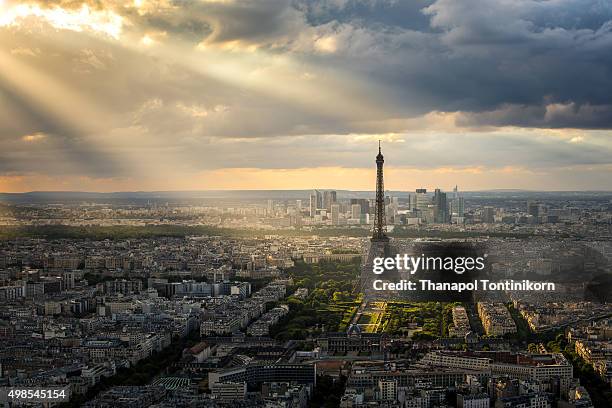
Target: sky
(295, 94)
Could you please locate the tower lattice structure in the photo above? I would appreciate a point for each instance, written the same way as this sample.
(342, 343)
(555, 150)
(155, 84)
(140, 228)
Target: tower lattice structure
(380, 229)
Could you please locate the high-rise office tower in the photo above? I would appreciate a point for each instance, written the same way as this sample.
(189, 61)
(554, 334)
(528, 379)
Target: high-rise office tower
(379, 233)
(533, 208)
(537, 210)
(355, 211)
(335, 214)
(440, 207)
(313, 204)
(488, 215)
(270, 206)
(391, 209)
(329, 198)
(458, 207)
(298, 205)
(363, 203)
(457, 204)
(319, 202)
(421, 201)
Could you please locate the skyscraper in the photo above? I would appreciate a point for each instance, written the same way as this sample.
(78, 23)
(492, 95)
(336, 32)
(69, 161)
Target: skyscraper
(419, 200)
(335, 214)
(355, 211)
(488, 215)
(457, 204)
(313, 204)
(379, 233)
(319, 197)
(329, 198)
(533, 208)
(537, 210)
(364, 204)
(440, 207)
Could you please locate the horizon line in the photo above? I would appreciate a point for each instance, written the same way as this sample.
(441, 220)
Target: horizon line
(298, 189)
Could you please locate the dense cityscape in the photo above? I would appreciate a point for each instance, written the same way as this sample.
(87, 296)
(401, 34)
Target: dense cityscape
(257, 302)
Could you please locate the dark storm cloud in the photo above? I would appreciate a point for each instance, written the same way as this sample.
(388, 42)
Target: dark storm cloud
(568, 115)
(385, 13)
(479, 55)
(509, 53)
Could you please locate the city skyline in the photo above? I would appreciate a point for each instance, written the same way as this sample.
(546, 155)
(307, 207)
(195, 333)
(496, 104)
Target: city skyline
(306, 203)
(222, 94)
(429, 299)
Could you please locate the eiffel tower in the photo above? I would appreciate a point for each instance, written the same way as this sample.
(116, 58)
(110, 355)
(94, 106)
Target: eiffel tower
(379, 242)
(380, 230)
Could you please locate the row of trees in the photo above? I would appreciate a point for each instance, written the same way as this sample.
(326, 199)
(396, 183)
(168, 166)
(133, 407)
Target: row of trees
(175, 230)
(142, 373)
(599, 390)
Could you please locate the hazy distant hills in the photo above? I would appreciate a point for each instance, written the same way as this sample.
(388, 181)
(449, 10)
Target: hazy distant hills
(240, 195)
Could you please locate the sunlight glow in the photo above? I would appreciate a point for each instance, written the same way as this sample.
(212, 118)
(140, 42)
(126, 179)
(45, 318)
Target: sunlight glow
(268, 74)
(147, 41)
(35, 137)
(104, 22)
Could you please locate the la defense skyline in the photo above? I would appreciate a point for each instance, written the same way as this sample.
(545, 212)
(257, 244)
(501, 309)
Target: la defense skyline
(381, 246)
(441, 213)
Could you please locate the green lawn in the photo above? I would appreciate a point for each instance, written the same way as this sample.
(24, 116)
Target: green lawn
(430, 317)
(330, 305)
